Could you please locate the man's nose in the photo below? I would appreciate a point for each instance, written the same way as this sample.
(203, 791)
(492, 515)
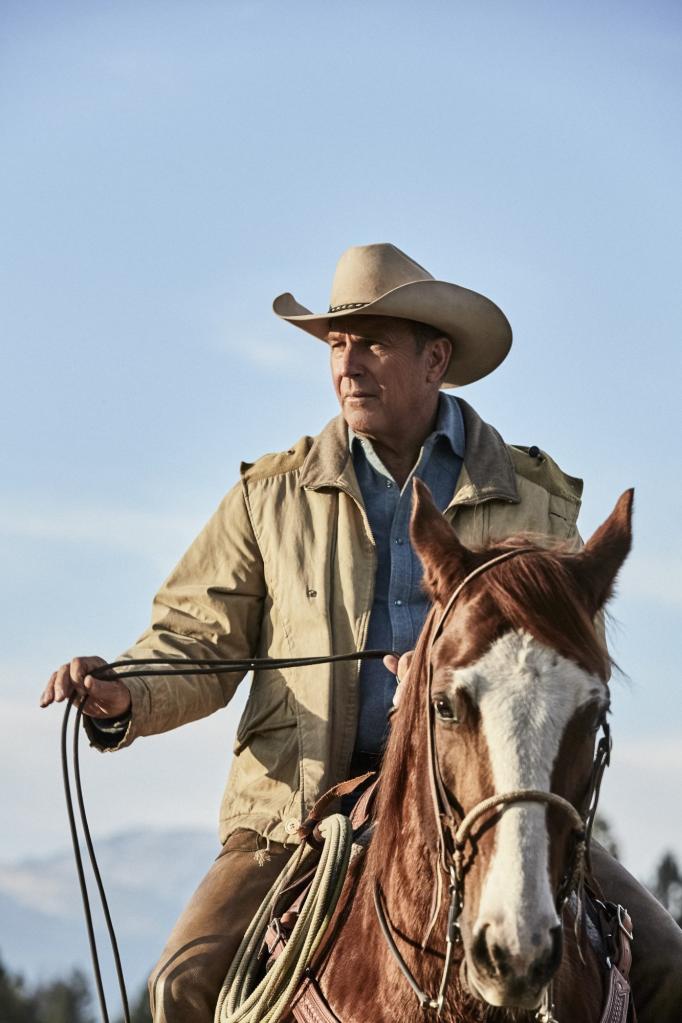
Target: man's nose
(350, 363)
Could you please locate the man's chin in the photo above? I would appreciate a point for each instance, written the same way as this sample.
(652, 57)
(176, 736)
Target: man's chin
(362, 415)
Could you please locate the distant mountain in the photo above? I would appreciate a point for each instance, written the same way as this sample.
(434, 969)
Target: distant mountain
(148, 877)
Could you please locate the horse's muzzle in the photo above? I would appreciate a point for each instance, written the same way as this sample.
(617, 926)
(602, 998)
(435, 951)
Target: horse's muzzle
(495, 976)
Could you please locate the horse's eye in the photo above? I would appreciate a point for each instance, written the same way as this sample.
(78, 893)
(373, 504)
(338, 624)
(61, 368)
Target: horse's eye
(443, 709)
(596, 719)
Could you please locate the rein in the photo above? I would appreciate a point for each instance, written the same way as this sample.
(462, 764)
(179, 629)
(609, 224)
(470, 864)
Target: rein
(142, 668)
(453, 834)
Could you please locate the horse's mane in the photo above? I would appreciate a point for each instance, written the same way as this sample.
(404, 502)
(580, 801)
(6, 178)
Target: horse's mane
(536, 592)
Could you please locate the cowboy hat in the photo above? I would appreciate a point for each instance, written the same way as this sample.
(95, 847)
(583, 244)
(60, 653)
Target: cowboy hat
(380, 280)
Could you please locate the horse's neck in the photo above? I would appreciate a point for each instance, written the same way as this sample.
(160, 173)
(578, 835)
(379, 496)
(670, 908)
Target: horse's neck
(403, 858)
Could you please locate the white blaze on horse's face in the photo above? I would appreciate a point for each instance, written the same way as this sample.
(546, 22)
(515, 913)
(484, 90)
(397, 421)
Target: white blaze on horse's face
(526, 695)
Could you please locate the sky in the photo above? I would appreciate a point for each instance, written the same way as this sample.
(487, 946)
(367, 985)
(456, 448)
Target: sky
(169, 168)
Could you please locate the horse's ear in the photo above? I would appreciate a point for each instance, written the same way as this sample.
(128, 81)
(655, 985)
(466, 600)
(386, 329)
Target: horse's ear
(598, 563)
(446, 561)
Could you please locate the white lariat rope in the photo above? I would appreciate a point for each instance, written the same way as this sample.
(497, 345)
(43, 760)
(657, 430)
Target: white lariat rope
(244, 999)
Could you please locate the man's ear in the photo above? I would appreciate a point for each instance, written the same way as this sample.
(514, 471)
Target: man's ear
(440, 352)
(446, 561)
(596, 566)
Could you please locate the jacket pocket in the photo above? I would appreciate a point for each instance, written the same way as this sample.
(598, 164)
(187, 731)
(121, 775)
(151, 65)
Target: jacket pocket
(270, 708)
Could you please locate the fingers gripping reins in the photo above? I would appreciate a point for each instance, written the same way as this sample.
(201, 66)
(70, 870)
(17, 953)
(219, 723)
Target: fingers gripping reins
(144, 668)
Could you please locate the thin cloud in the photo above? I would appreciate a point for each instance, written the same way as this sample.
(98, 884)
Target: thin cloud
(144, 533)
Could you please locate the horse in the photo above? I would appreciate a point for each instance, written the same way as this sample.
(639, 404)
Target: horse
(457, 910)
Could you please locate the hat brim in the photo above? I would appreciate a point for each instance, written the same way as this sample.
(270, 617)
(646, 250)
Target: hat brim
(480, 332)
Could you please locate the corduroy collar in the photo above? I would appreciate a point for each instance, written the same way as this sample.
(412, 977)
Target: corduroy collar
(487, 472)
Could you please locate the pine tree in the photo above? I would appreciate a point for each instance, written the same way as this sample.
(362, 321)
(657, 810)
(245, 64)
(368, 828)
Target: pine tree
(667, 886)
(604, 835)
(14, 1005)
(63, 1001)
(139, 1008)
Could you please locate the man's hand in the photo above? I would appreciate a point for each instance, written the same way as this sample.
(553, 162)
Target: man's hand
(107, 698)
(399, 667)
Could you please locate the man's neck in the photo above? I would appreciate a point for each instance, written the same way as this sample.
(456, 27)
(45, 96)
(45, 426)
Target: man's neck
(399, 453)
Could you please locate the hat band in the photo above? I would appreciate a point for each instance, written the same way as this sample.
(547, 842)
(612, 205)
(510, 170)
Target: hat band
(348, 305)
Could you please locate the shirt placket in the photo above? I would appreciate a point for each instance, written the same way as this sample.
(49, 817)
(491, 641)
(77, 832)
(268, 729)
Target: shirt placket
(401, 573)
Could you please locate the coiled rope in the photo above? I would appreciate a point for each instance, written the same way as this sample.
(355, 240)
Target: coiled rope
(244, 999)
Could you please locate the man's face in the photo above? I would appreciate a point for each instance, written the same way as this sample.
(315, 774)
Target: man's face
(381, 377)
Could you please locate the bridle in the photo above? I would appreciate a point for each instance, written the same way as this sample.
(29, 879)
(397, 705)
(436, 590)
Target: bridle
(454, 833)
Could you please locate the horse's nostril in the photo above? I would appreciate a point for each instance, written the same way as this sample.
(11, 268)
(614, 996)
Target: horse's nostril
(557, 946)
(500, 959)
(489, 956)
(545, 966)
(480, 952)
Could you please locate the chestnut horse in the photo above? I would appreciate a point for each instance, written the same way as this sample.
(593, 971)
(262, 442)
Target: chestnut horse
(508, 686)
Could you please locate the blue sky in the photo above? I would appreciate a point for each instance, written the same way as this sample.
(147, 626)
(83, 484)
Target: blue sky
(168, 168)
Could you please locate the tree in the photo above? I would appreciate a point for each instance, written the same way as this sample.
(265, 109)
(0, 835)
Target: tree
(63, 1001)
(58, 1001)
(14, 1006)
(139, 1008)
(667, 886)
(604, 835)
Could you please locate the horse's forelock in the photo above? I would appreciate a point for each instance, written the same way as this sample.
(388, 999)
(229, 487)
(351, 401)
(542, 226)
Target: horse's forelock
(537, 592)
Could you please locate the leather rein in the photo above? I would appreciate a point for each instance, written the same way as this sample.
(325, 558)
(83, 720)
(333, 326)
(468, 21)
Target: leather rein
(453, 833)
(147, 668)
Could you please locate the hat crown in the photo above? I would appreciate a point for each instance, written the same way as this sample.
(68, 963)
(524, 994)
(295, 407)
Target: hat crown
(366, 272)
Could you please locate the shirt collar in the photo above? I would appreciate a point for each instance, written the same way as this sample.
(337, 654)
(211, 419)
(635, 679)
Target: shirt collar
(449, 426)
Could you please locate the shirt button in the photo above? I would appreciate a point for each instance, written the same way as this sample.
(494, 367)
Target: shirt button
(292, 825)
(399, 540)
(398, 603)
(389, 484)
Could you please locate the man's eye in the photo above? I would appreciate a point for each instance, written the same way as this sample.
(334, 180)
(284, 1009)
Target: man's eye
(444, 709)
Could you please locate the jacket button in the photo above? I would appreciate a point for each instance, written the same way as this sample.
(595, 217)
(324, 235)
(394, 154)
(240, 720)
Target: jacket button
(292, 825)
(534, 452)
(311, 593)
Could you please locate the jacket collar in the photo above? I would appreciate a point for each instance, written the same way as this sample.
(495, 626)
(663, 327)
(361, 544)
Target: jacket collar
(487, 472)
(328, 463)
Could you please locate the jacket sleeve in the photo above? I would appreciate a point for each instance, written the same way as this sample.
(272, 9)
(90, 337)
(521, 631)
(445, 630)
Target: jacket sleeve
(210, 606)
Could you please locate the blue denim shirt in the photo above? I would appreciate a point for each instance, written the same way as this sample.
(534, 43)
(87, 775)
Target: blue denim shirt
(400, 605)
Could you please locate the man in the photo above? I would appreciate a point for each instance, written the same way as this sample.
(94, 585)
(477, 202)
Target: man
(310, 555)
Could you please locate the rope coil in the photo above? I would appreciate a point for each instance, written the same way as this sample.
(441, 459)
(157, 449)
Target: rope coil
(245, 999)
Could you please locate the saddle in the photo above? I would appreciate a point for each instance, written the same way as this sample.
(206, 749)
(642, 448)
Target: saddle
(608, 927)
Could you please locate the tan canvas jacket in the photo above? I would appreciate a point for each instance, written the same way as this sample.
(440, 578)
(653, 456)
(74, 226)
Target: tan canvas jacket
(285, 568)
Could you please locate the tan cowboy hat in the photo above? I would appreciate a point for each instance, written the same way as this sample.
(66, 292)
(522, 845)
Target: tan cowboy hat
(380, 280)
